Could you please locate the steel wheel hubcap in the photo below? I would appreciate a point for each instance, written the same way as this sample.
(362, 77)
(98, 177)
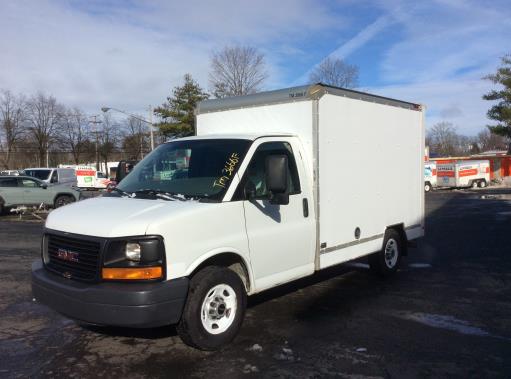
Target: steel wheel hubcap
(219, 309)
(391, 253)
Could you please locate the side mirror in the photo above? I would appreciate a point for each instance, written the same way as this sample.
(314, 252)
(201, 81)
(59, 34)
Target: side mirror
(44, 185)
(276, 179)
(249, 190)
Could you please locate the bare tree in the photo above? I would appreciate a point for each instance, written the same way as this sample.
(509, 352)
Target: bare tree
(44, 114)
(491, 141)
(445, 141)
(13, 113)
(236, 71)
(335, 72)
(108, 135)
(74, 132)
(135, 139)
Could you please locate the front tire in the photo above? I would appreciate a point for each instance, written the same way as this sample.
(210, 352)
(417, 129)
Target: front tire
(427, 187)
(386, 262)
(214, 309)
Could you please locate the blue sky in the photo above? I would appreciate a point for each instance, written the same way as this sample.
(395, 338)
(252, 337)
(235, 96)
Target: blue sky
(129, 54)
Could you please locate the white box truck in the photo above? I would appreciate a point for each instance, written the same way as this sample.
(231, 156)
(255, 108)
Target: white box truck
(464, 173)
(273, 188)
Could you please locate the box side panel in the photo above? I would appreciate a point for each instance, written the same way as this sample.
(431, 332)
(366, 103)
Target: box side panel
(290, 118)
(370, 175)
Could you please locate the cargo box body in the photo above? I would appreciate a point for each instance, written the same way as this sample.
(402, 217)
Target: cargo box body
(364, 153)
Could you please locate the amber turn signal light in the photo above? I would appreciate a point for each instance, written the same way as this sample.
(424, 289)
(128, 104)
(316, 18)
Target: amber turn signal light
(142, 273)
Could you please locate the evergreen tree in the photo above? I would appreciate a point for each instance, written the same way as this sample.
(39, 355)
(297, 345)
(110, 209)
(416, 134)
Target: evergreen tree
(177, 114)
(501, 112)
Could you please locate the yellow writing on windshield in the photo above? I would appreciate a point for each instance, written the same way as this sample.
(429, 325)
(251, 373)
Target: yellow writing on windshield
(228, 171)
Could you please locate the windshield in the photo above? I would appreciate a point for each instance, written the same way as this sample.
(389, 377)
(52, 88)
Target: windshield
(192, 168)
(39, 174)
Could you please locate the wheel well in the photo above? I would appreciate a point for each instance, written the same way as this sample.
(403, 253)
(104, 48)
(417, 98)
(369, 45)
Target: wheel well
(400, 229)
(230, 260)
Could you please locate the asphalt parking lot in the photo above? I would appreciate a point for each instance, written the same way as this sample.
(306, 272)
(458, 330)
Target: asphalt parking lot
(447, 314)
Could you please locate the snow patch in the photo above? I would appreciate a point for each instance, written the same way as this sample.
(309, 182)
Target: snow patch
(449, 323)
(419, 265)
(256, 348)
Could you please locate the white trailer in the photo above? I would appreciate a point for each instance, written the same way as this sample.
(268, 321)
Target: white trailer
(430, 176)
(273, 188)
(463, 174)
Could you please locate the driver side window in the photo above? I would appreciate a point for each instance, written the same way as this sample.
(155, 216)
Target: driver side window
(255, 174)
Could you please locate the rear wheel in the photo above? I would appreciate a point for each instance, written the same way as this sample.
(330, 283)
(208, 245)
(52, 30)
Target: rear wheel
(62, 200)
(214, 309)
(482, 184)
(427, 187)
(474, 184)
(386, 261)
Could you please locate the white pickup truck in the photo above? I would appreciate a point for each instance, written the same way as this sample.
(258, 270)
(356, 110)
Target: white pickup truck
(273, 188)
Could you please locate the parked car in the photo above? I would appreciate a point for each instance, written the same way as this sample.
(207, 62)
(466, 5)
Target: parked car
(64, 176)
(25, 190)
(10, 172)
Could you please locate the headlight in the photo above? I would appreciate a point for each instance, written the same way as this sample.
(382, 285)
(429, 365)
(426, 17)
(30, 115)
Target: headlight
(136, 258)
(133, 251)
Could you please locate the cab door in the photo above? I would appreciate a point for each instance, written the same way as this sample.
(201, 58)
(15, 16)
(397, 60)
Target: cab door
(281, 237)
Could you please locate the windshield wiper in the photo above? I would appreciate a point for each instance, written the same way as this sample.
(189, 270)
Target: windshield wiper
(160, 194)
(123, 193)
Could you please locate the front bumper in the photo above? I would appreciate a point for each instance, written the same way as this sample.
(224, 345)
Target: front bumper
(139, 305)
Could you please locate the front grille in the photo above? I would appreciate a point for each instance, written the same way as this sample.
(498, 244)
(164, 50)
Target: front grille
(73, 257)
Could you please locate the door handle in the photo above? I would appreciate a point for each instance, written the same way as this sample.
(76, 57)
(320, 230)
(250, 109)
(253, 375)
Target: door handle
(305, 208)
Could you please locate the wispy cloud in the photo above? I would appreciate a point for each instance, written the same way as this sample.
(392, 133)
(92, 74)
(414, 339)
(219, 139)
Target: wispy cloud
(359, 40)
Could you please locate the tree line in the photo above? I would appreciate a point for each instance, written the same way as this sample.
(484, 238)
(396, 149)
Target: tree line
(39, 131)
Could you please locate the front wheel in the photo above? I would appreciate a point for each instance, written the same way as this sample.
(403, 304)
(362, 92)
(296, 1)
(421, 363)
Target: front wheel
(427, 187)
(386, 261)
(214, 310)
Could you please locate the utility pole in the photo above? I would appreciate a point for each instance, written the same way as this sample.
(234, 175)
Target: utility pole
(151, 126)
(94, 123)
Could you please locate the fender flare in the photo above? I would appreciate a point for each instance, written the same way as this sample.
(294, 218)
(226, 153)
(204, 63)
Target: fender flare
(218, 252)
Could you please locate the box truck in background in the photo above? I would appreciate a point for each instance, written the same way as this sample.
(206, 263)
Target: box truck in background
(89, 178)
(265, 194)
(430, 176)
(463, 174)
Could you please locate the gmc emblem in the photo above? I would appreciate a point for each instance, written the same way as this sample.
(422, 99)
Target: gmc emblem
(67, 255)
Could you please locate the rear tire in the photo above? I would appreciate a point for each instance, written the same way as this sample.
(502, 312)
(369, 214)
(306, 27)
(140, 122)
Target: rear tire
(475, 184)
(386, 262)
(427, 187)
(214, 309)
(62, 200)
(482, 184)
